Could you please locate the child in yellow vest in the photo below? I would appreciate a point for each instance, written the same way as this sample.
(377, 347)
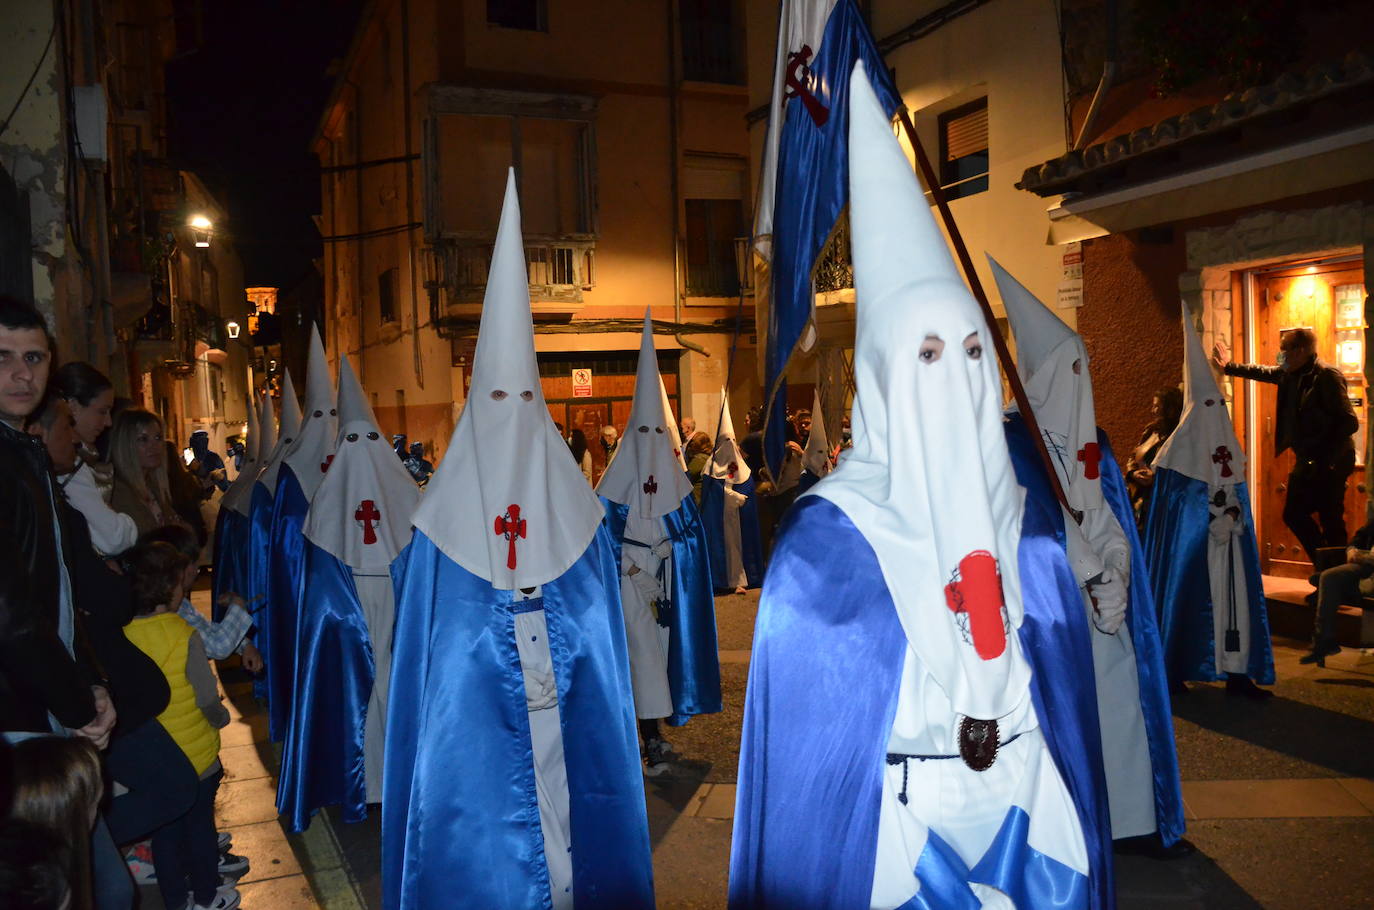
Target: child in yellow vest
(185, 852)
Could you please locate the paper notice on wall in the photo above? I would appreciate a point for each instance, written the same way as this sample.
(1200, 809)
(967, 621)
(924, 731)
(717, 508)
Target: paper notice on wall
(1071, 276)
(582, 383)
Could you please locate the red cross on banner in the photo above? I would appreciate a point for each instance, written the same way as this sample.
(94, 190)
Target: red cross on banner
(976, 592)
(365, 515)
(799, 81)
(1091, 456)
(510, 526)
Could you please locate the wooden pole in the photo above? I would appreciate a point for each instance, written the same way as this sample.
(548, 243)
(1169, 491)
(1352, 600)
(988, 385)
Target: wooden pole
(1018, 391)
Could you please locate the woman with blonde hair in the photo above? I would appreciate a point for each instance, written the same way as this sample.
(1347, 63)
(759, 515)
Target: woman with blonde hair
(57, 787)
(140, 482)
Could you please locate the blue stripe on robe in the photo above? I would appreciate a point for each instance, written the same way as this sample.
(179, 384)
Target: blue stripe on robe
(286, 579)
(322, 759)
(1176, 550)
(460, 817)
(693, 658)
(713, 520)
(231, 543)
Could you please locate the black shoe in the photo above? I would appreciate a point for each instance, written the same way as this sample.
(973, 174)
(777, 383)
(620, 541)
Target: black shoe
(1320, 653)
(1239, 684)
(1151, 846)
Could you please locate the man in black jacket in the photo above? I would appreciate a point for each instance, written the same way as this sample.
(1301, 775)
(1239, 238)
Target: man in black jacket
(1345, 583)
(1315, 420)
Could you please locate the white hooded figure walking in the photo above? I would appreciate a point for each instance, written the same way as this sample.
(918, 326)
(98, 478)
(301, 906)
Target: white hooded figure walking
(730, 512)
(359, 521)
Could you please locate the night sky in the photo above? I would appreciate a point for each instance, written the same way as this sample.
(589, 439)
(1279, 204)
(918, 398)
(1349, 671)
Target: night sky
(243, 109)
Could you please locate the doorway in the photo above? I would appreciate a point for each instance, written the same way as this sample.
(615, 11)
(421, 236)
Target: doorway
(1326, 296)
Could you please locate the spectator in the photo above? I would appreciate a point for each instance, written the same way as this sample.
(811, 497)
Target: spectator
(1165, 410)
(57, 787)
(416, 463)
(398, 445)
(208, 466)
(580, 453)
(698, 456)
(610, 441)
(1345, 583)
(139, 456)
(802, 421)
(89, 396)
(34, 866)
(186, 492)
(751, 445)
(234, 448)
(688, 429)
(1315, 420)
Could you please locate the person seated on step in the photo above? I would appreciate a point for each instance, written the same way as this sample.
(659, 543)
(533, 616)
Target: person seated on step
(1341, 584)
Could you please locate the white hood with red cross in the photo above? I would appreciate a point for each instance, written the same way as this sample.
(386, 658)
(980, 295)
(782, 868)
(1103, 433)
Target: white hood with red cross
(1204, 447)
(309, 456)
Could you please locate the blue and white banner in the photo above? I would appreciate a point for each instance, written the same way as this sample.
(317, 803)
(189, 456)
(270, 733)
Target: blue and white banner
(804, 181)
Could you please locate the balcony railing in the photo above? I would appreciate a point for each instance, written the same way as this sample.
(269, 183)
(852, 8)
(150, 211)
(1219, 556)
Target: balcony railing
(558, 269)
(835, 269)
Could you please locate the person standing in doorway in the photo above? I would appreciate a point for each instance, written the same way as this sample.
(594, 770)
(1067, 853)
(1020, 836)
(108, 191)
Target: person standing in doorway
(1316, 421)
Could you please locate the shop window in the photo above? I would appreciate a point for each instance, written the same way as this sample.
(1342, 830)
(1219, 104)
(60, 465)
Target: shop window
(964, 149)
(527, 15)
(386, 295)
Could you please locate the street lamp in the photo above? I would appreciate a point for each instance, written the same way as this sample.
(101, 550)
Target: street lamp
(233, 328)
(201, 230)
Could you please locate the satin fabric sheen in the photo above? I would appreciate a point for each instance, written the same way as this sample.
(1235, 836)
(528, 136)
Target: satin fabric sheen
(713, 519)
(693, 658)
(460, 816)
(822, 695)
(1176, 551)
(230, 549)
(322, 760)
(1141, 615)
(285, 586)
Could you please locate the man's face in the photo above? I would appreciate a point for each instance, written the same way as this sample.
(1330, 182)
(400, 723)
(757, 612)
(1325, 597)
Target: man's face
(24, 365)
(1297, 353)
(60, 439)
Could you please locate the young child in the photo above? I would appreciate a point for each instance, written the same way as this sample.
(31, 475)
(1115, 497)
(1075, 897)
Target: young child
(185, 852)
(230, 634)
(57, 787)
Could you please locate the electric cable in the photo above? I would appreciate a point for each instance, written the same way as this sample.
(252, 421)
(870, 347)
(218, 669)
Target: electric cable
(24, 92)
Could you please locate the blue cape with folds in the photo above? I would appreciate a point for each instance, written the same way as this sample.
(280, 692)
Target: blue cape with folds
(231, 547)
(693, 659)
(822, 694)
(1176, 550)
(713, 519)
(322, 759)
(1149, 656)
(460, 817)
(285, 588)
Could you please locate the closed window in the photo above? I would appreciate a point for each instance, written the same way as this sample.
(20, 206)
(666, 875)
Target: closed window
(529, 15)
(711, 50)
(386, 295)
(713, 188)
(964, 149)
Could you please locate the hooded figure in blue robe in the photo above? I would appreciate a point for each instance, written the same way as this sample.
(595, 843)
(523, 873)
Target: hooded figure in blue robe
(302, 469)
(665, 580)
(260, 502)
(231, 527)
(359, 521)
(1200, 544)
(894, 750)
(730, 512)
(512, 775)
(1104, 552)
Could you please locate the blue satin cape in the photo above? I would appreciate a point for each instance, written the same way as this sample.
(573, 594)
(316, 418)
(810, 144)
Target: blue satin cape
(1155, 704)
(322, 759)
(285, 588)
(693, 658)
(460, 817)
(230, 548)
(813, 750)
(751, 541)
(1176, 550)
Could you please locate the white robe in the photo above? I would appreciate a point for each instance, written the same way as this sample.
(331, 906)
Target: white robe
(735, 576)
(647, 640)
(1226, 572)
(378, 599)
(546, 739)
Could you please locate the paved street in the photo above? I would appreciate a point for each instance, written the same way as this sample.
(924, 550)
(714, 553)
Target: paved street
(1280, 799)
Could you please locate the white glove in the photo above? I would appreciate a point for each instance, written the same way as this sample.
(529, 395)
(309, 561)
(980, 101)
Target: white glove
(663, 549)
(1221, 527)
(647, 586)
(735, 500)
(1109, 601)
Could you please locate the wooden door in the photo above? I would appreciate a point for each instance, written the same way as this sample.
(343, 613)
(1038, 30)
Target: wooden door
(1315, 297)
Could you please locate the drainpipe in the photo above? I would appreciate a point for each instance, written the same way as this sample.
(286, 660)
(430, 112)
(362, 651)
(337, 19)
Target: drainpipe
(410, 193)
(1104, 84)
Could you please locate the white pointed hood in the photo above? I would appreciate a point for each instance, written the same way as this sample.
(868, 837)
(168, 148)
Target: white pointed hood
(727, 461)
(1054, 369)
(239, 496)
(507, 503)
(645, 473)
(290, 429)
(267, 425)
(361, 512)
(929, 481)
(309, 455)
(1204, 447)
(673, 432)
(816, 455)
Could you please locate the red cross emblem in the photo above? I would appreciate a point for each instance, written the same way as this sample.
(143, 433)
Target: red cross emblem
(1222, 456)
(733, 468)
(650, 486)
(1090, 455)
(365, 515)
(510, 526)
(799, 82)
(324, 465)
(975, 595)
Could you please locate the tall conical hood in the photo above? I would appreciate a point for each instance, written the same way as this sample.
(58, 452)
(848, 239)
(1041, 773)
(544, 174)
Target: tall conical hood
(507, 503)
(308, 456)
(290, 429)
(238, 496)
(1204, 446)
(673, 433)
(645, 473)
(1054, 368)
(929, 481)
(361, 512)
(727, 461)
(816, 455)
(267, 425)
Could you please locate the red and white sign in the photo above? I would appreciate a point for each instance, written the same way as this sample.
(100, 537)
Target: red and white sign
(582, 383)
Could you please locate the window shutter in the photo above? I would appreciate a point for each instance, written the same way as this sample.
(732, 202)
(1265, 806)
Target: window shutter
(967, 133)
